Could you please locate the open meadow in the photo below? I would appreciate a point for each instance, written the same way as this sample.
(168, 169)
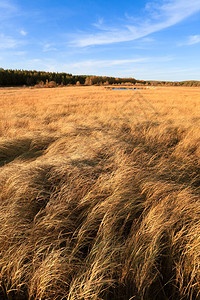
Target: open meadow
(99, 193)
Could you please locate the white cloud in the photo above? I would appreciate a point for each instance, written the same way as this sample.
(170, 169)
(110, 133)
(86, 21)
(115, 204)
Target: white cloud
(22, 32)
(160, 17)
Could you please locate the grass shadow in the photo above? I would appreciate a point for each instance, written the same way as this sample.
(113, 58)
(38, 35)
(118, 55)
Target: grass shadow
(23, 149)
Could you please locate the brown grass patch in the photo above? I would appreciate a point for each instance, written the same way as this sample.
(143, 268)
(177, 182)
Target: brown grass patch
(99, 193)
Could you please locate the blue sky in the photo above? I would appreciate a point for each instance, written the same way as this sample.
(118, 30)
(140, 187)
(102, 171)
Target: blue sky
(155, 40)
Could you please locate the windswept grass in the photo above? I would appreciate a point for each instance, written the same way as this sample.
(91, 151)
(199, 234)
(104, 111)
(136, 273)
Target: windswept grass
(99, 194)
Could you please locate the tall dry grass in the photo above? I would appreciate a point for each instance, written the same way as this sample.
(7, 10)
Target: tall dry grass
(99, 194)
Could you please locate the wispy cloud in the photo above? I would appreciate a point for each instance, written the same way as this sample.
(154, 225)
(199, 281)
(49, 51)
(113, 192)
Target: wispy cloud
(160, 17)
(49, 47)
(20, 53)
(176, 73)
(190, 40)
(147, 40)
(36, 60)
(7, 8)
(107, 67)
(99, 24)
(106, 63)
(193, 39)
(5, 4)
(7, 42)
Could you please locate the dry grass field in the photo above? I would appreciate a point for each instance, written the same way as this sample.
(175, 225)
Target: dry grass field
(99, 193)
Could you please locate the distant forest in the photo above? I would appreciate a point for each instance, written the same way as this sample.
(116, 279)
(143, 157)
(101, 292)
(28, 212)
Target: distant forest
(53, 79)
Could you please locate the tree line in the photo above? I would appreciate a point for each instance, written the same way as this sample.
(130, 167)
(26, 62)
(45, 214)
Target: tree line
(31, 78)
(45, 79)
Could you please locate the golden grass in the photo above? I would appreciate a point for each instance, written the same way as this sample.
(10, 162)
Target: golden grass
(99, 193)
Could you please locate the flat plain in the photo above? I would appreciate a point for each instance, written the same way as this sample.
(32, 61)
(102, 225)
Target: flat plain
(99, 193)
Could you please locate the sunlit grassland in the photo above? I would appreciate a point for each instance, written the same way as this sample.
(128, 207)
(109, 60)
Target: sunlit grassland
(99, 193)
